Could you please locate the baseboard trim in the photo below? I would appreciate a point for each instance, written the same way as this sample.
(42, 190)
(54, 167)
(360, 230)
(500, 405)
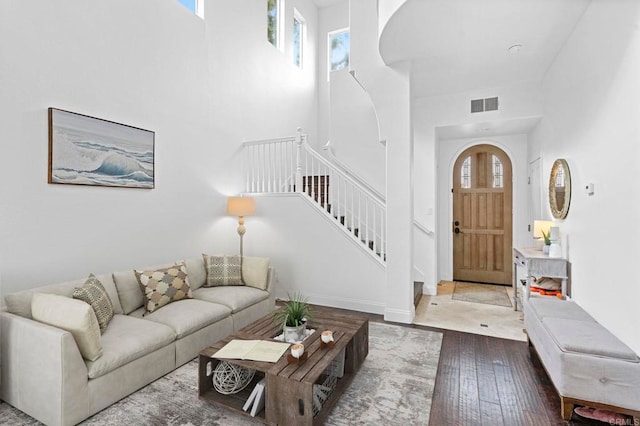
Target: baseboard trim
(399, 315)
(359, 305)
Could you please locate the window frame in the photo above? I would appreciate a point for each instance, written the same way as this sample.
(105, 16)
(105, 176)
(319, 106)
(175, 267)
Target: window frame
(198, 8)
(297, 17)
(279, 26)
(329, 50)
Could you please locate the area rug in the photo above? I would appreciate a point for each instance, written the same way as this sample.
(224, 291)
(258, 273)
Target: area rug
(394, 386)
(482, 293)
(442, 311)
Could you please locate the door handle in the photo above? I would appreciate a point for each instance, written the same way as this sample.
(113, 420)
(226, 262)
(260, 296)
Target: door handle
(457, 230)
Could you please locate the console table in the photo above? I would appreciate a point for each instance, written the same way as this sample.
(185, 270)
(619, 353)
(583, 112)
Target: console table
(536, 263)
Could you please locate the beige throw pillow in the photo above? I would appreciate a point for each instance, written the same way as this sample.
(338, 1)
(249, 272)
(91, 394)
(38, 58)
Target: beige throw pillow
(163, 286)
(222, 270)
(74, 316)
(94, 294)
(255, 271)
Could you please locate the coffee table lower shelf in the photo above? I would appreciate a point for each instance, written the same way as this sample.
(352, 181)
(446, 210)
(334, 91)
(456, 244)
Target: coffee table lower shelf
(289, 388)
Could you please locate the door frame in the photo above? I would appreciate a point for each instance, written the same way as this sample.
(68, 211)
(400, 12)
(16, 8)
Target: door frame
(445, 224)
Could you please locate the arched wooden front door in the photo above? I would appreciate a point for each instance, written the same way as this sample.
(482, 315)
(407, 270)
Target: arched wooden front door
(482, 224)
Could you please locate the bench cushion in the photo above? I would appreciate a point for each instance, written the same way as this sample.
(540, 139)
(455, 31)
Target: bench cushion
(551, 307)
(587, 337)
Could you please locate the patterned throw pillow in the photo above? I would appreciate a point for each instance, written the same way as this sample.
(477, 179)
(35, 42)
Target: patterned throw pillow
(94, 294)
(222, 270)
(163, 286)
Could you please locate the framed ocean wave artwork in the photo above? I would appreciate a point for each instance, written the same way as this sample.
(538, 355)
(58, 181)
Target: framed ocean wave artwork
(86, 150)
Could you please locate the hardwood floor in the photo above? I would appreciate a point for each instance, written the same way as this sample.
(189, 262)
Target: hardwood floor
(490, 381)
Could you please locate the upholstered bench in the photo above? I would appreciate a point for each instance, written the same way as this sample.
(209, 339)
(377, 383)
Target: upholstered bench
(586, 363)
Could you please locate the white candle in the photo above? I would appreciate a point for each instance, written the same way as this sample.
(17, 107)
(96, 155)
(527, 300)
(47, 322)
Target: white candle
(327, 336)
(297, 350)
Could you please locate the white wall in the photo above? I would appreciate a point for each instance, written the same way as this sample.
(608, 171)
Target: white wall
(515, 146)
(355, 140)
(332, 18)
(202, 86)
(429, 115)
(313, 256)
(591, 116)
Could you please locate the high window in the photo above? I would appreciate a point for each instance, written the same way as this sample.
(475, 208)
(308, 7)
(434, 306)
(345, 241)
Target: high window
(299, 35)
(274, 15)
(498, 173)
(195, 6)
(339, 50)
(465, 173)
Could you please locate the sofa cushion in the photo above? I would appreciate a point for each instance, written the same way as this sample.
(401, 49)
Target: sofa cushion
(127, 339)
(551, 307)
(587, 337)
(19, 303)
(255, 271)
(129, 292)
(93, 293)
(163, 286)
(186, 316)
(222, 270)
(236, 298)
(197, 272)
(74, 316)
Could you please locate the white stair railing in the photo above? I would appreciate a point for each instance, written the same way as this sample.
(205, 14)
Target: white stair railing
(290, 165)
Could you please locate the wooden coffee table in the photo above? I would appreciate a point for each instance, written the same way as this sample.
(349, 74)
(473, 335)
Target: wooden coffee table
(289, 390)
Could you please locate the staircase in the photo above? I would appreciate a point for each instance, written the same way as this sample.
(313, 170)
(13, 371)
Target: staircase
(290, 165)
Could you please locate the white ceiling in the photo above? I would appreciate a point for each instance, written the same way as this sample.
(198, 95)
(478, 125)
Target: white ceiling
(460, 45)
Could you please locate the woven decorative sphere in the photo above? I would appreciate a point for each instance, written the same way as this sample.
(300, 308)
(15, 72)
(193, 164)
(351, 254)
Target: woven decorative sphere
(230, 378)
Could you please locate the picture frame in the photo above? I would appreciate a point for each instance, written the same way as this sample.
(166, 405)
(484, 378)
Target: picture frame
(85, 150)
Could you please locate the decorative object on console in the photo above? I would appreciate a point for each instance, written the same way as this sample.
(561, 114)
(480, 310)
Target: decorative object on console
(86, 150)
(241, 207)
(554, 249)
(560, 189)
(294, 316)
(541, 234)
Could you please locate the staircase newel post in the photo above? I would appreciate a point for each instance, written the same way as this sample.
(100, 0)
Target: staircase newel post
(299, 160)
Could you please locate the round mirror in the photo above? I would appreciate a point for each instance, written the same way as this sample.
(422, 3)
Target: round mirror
(560, 189)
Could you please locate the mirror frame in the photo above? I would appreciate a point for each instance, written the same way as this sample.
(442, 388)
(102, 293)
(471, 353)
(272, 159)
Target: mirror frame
(559, 213)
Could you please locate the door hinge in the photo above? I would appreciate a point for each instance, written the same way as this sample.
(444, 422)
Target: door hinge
(452, 190)
(529, 180)
(529, 228)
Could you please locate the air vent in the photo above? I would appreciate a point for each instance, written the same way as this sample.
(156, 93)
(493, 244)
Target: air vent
(481, 105)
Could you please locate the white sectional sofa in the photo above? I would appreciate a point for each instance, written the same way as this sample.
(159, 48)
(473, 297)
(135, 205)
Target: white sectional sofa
(45, 375)
(586, 363)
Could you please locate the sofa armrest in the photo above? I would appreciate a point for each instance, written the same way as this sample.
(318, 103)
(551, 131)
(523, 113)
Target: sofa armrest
(44, 374)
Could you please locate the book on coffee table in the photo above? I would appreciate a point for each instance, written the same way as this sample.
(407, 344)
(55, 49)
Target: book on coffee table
(253, 350)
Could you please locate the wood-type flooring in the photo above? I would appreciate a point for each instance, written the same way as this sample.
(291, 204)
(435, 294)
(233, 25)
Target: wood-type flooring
(486, 380)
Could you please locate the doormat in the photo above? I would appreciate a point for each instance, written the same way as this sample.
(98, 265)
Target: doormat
(488, 294)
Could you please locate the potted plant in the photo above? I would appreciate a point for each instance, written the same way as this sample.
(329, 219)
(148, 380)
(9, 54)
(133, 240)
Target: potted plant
(294, 316)
(547, 241)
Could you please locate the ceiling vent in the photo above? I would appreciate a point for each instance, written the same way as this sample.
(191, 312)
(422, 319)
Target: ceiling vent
(482, 105)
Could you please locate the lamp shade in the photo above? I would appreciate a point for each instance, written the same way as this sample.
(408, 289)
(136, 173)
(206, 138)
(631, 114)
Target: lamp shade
(539, 226)
(241, 206)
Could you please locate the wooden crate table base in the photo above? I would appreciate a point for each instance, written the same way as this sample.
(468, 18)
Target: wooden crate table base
(301, 393)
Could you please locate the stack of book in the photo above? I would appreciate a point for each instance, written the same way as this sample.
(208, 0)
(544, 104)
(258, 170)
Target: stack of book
(255, 402)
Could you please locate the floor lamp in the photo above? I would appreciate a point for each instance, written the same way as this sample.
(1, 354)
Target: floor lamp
(241, 207)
